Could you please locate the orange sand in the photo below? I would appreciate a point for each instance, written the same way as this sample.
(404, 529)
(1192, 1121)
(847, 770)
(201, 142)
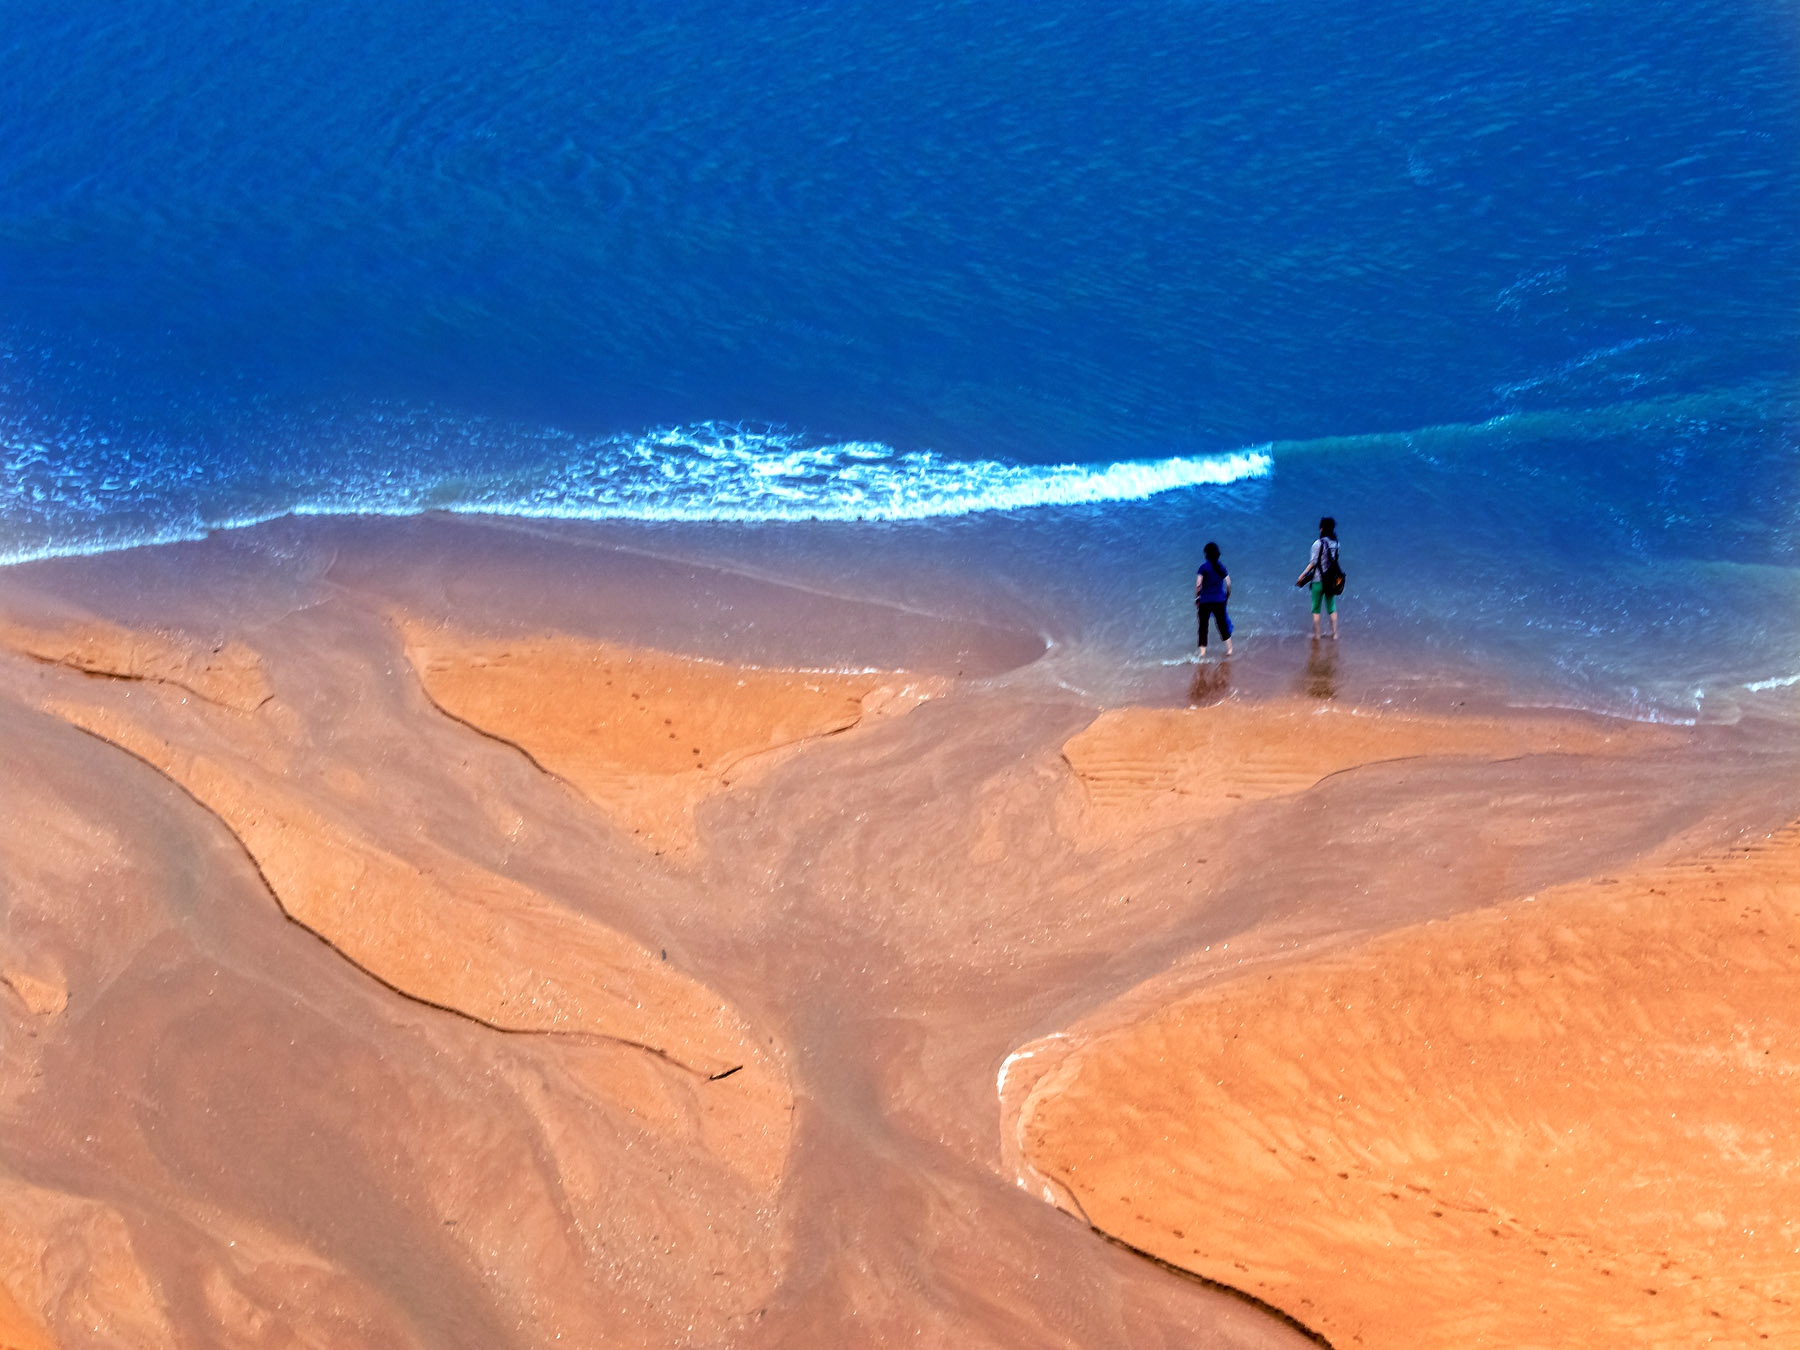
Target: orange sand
(17, 1331)
(458, 937)
(1141, 769)
(1565, 1121)
(625, 1075)
(44, 996)
(74, 1258)
(642, 734)
(350, 996)
(228, 673)
(444, 932)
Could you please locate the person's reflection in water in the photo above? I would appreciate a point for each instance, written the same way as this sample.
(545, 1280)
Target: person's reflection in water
(1211, 684)
(1320, 679)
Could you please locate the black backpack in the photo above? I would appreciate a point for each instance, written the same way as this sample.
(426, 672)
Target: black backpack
(1331, 574)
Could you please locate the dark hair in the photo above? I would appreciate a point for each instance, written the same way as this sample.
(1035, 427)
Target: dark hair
(1212, 552)
(1328, 527)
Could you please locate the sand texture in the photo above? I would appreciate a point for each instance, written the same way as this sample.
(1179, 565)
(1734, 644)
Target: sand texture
(439, 929)
(644, 735)
(1140, 769)
(227, 673)
(373, 973)
(1565, 1120)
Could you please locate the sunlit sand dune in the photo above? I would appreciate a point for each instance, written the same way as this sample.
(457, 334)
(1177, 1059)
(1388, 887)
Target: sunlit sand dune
(1567, 1120)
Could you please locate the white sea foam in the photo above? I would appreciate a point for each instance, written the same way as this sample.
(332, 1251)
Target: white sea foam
(725, 474)
(81, 492)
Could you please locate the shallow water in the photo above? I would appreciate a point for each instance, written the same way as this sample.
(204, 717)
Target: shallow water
(1043, 301)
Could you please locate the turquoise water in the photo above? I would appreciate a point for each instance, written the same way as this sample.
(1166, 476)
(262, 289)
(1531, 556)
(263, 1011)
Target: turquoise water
(1058, 291)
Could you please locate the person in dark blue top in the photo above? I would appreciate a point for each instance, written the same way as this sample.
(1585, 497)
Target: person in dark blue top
(1212, 588)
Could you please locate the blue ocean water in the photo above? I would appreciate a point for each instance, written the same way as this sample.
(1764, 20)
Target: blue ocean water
(1057, 289)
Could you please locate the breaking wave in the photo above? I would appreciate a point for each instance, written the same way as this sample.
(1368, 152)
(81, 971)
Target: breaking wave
(77, 491)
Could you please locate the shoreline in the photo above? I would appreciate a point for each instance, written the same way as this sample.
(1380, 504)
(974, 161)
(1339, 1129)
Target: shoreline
(1382, 665)
(739, 897)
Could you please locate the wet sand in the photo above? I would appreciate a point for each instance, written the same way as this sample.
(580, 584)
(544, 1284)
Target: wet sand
(419, 933)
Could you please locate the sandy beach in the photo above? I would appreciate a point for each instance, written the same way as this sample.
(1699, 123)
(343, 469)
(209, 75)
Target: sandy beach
(432, 934)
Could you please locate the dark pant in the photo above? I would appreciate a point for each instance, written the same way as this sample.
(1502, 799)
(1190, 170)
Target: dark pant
(1216, 610)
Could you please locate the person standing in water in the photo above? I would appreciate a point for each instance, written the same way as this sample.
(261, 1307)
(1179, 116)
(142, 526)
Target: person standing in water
(1319, 566)
(1212, 588)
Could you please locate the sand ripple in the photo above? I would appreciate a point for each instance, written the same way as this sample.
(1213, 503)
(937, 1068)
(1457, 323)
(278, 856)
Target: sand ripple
(1568, 1120)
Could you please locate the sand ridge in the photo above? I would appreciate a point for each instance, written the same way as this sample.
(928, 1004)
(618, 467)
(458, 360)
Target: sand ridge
(601, 1079)
(645, 735)
(186, 1098)
(1564, 1120)
(431, 925)
(463, 940)
(228, 673)
(445, 933)
(1140, 769)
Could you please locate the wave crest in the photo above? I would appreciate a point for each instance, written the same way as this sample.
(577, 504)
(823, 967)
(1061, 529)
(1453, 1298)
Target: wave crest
(73, 490)
(719, 473)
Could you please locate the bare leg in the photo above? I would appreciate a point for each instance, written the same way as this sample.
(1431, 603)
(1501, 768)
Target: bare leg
(1316, 625)
(1334, 625)
(1228, 646)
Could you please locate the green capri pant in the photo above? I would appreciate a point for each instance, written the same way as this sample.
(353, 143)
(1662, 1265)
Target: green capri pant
(1319, 596)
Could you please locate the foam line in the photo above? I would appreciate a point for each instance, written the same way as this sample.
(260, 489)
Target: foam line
(77, 491)
(68, 489)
